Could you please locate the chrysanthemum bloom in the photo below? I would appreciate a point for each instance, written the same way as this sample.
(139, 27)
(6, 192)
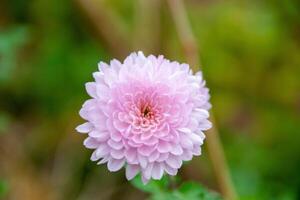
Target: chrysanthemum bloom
(147, 114)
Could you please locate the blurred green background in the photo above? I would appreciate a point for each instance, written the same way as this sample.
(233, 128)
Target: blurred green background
(250, 51)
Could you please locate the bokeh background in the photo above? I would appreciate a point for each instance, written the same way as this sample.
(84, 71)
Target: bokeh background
(250, 51)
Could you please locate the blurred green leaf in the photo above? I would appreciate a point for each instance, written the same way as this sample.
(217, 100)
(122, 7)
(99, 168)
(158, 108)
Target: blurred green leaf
(4, 122)
(161, 190)
(10, 42)
(152, 186)
(194, 191)
(3, 188)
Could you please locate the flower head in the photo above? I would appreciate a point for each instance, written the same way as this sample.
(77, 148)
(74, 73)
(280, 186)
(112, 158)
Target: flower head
(147, 114)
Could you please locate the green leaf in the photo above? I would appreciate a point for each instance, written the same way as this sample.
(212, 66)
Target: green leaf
(3, 188)
(160, 190)
(192, 190)
(152, 186)
(10, 42)
(4, 122)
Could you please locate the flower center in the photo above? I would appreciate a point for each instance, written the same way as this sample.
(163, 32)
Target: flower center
(146, 117)
(146, 112)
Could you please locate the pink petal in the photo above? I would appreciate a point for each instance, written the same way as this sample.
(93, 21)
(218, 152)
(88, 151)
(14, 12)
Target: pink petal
(90, 104)
(115, 145)
(201, 134)
(197, 150)
(170, 170)
(186, 142)
(176, 150)
(163, 131)
(187, 155)
(196, 139)
(162, 157)
(102, 150)
(102, 125)
(96, 117)
(142, 160)
(94, 156)
(193, 124)
(164, 147)
(131, 156)
(84, 128)
(157, 171)
(116, 136)
(102, 66)
(205, 125)
(84, 114)
(91, 89)
(103, 92)
(100, 136)
(117, 154)
(174, 162)
(114, 165)
(151, 141)
(145, 180)
(146, 136)
(120, 126)
(147, 171)
(103, 160)
(98, 76)
(91, 143)
(145, 150)
(134, 144)
(109, 76)
(132, 171)
(154, 156)
(200, 114)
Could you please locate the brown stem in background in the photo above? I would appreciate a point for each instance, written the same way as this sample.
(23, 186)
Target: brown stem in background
(216, 154)
(107, 26)
(215, 149)
(186, 37)
(147, 26)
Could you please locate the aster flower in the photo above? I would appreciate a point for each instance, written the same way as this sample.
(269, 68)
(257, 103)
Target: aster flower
(146, 114)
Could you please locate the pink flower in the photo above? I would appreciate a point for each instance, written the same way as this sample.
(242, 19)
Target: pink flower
(147, 114)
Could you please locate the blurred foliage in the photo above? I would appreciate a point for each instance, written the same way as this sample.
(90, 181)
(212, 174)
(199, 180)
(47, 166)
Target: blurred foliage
(3, 188)
(162, 190)
(250, 53)
(4, 123)
(11, 41)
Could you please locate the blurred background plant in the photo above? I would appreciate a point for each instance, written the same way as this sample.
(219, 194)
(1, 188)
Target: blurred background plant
(250, 51)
